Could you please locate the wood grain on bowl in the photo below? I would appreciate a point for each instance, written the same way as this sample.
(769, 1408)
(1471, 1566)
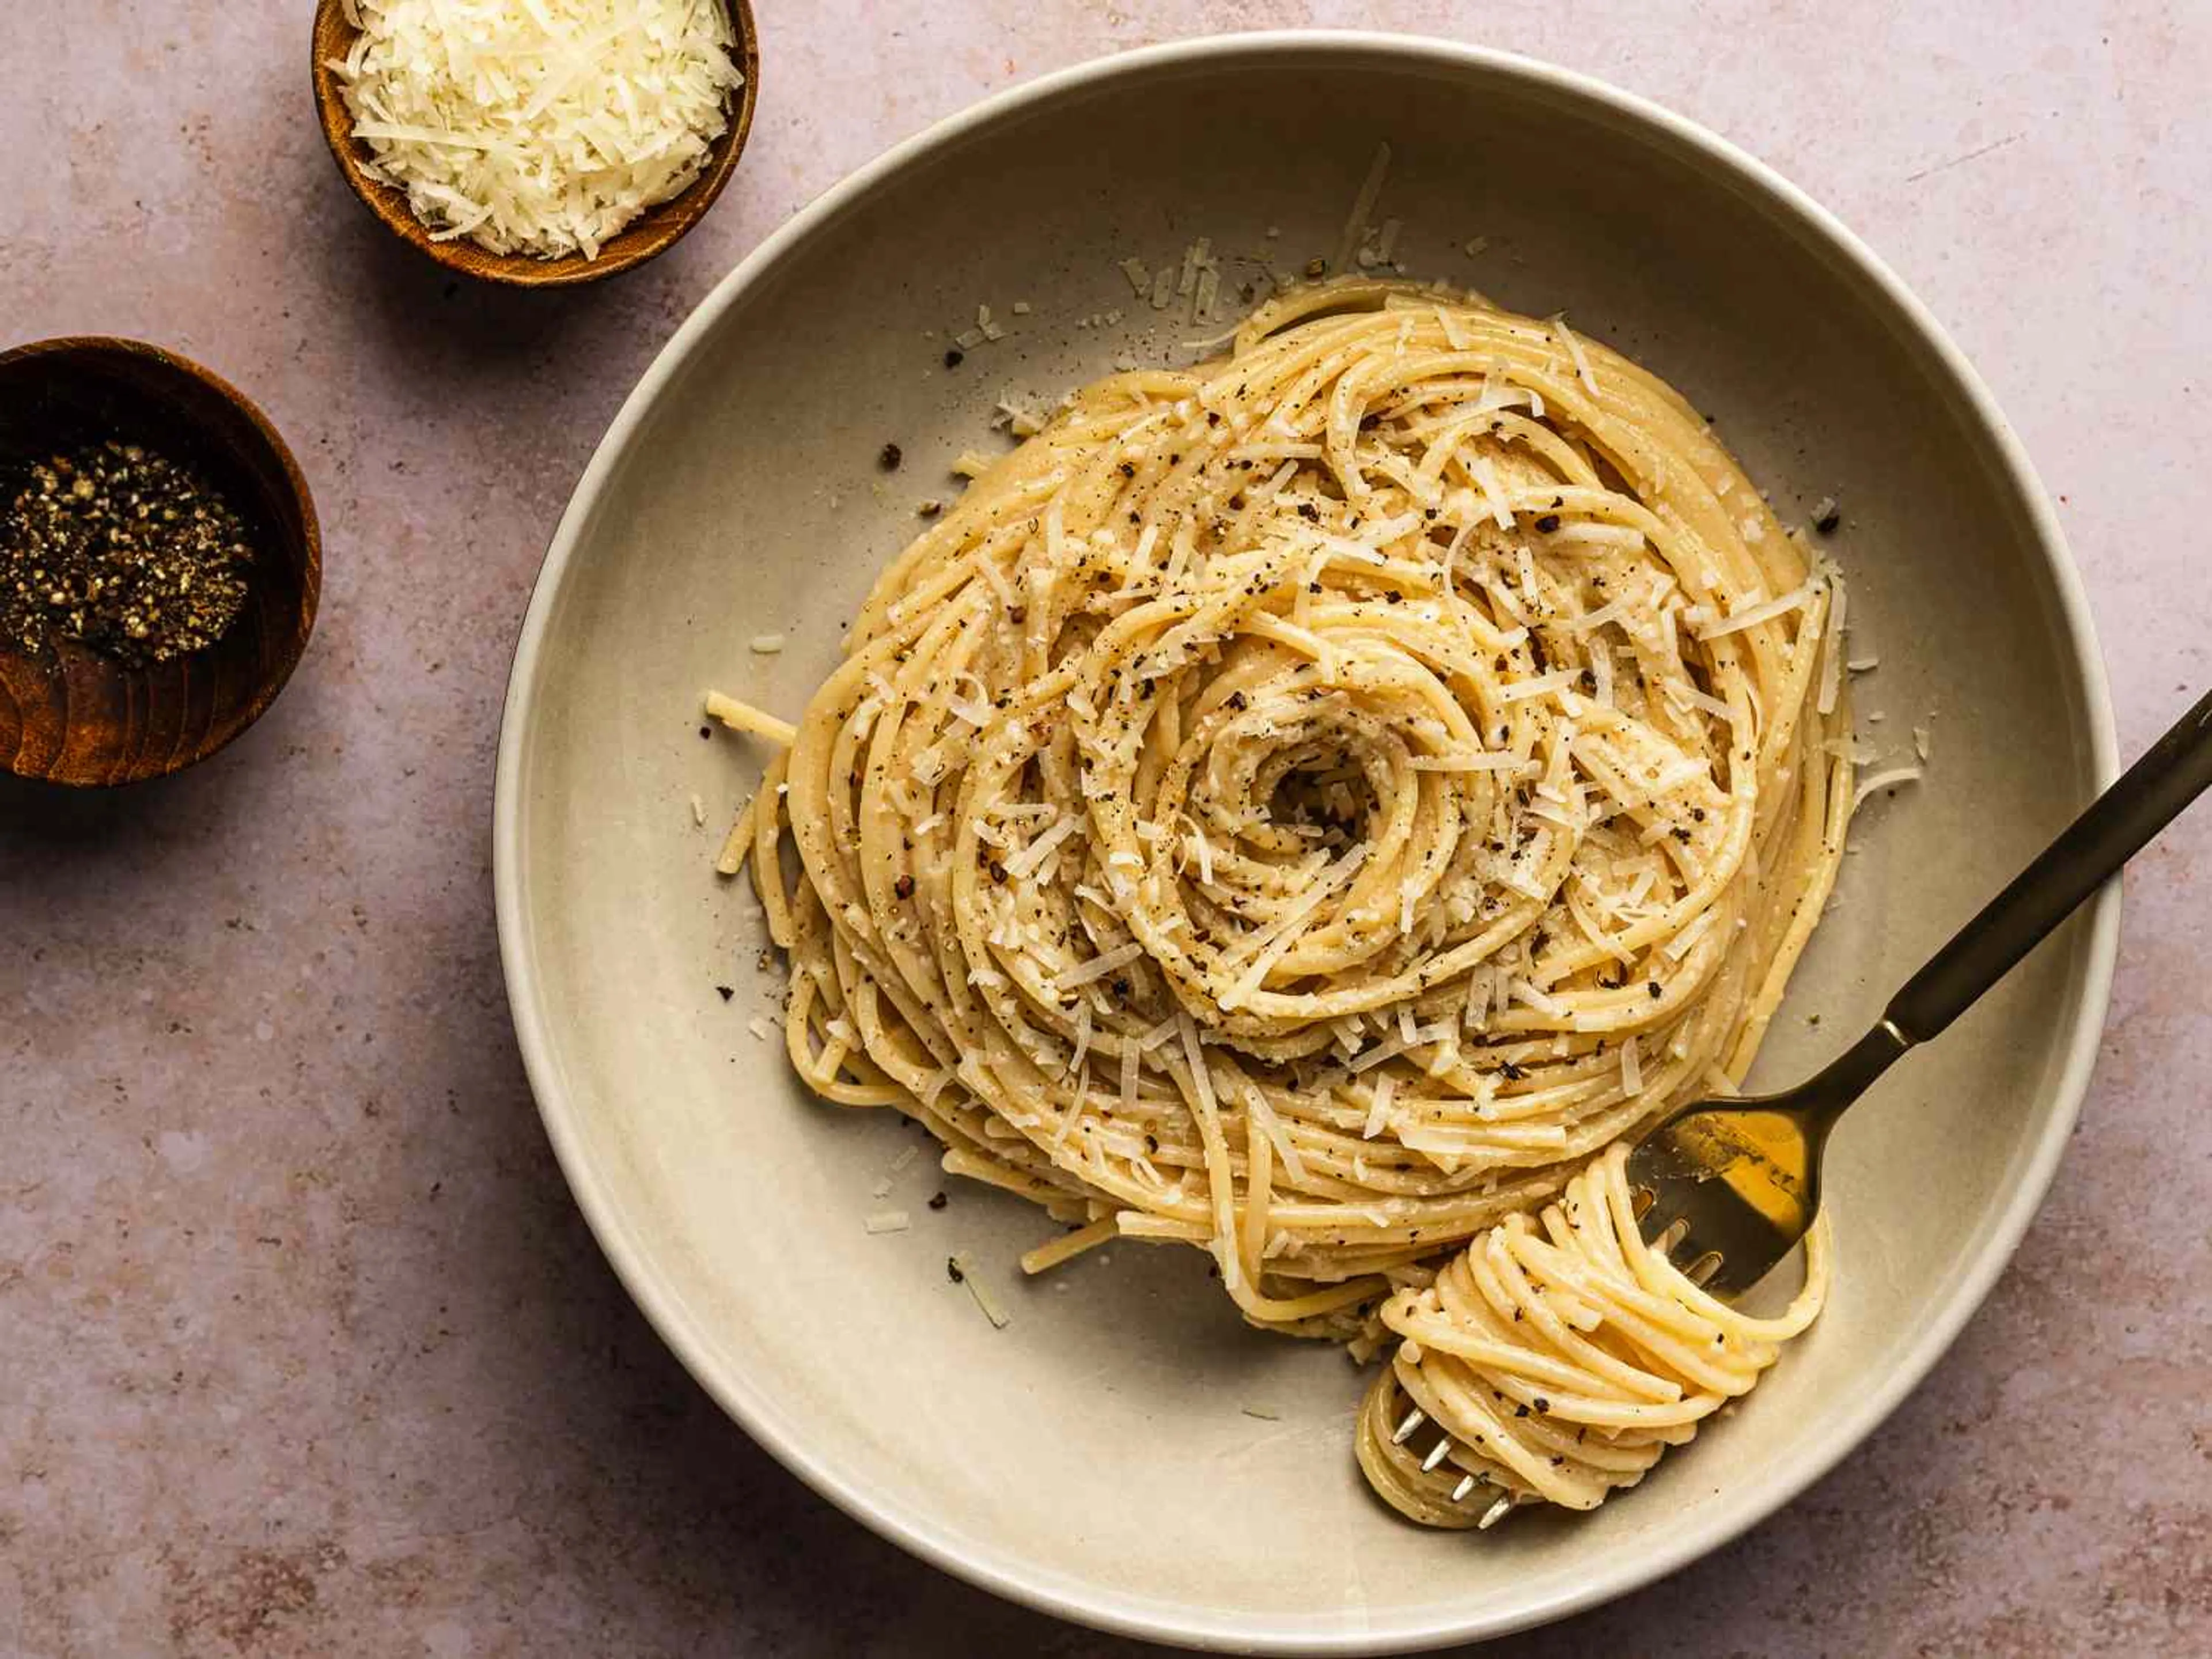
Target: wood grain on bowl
(71, 715)
(653, 232)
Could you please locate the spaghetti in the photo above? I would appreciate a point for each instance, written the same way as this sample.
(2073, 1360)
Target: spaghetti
(1558, 1361)
(1306, 807)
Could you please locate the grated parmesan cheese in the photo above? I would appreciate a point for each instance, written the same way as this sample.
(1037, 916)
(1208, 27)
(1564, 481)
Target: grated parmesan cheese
(1363, 206)
(1575, 350)
(1751, 614)
(1884, 780)
(1832, 659)
(1099, 967)
(1378, 1113)
(963, 1267)
(1024, 417)
(541, 127)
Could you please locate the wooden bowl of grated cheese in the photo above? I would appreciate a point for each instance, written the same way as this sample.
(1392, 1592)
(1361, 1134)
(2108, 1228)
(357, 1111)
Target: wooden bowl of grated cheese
(461, 127)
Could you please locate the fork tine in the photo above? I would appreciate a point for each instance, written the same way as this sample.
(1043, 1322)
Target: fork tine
(1731, 1187)
(1664, 1201)
(1720, 1242)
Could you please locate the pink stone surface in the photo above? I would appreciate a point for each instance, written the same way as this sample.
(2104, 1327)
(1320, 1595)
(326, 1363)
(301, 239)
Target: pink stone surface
(303, 1347)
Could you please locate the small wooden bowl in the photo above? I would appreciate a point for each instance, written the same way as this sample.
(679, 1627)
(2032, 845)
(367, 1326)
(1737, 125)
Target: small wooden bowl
(71, 715)
(651, 233)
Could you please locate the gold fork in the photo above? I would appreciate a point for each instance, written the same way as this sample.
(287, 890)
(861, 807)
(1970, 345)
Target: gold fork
(1728, 1188)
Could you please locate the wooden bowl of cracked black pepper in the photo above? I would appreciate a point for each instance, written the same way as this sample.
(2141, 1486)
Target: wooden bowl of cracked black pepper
(160, 562)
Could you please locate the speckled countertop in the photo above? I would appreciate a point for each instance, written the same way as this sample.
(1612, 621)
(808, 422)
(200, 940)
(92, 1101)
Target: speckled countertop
(304, 1348)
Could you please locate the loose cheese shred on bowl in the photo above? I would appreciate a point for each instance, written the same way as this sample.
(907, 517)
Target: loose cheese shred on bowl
(962, 1269)
(1876, 782)
(538, 126)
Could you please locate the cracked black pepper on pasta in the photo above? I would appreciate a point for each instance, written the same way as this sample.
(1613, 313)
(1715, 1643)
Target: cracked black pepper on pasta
(1308, 808)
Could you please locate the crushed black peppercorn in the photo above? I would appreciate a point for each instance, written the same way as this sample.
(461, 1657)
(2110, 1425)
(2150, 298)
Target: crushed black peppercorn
(115, 547)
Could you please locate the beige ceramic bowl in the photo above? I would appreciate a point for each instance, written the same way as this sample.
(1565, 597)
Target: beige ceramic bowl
(1094, 1458)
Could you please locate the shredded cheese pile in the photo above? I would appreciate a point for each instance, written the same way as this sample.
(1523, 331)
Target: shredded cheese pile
(538, 126)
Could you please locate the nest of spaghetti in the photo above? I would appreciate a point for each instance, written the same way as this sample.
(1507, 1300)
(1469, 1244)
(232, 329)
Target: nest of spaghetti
(1303, 807)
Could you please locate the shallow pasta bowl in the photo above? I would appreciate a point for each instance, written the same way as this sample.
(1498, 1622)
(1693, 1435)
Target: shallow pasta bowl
(1125, 1452)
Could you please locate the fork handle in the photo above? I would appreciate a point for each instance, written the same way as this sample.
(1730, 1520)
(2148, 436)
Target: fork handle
(2172, 773)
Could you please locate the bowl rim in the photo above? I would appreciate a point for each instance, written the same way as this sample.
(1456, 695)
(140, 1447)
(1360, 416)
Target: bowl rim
(678, 216)
(926, 1535)
(270, 686)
